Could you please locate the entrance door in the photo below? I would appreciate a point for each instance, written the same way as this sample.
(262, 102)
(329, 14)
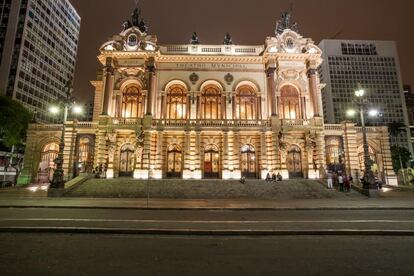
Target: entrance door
(211, 162)
(174, 162)
(294, 163)
(248, 161)
(127, 161)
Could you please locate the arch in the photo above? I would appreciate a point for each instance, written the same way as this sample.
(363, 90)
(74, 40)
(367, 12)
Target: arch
(177, 102)
(176, 82)
(249, 83)
(294, 162)
(47, 166)
(212, 161)
(127, 160)
(129, 81)
(290, 102)
(246, 103)
(133, 101)
(216, 83)
(211, 102)
(248, 162)
(174, 161)
(85, 154)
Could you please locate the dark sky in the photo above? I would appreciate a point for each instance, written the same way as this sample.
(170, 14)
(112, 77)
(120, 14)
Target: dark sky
(249, 22)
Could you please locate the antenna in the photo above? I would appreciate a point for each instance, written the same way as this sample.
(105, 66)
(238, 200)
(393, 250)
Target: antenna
(291, 8)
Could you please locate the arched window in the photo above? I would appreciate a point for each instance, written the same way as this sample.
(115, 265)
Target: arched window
(248, 161)
(174, 161)
(177, 103)
(246, 104)
(85, 155)
(289, 103)
(47, 164)
(132, 102)
(211, 101)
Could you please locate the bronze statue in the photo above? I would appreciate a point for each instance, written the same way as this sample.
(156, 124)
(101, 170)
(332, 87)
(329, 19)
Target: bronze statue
(227, 39)
(284, 23)
(194, 39)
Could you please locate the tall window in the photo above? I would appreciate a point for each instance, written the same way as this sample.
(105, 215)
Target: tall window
(177, 103)
(132, 102)
(289, 103)
(211, 103)
(85, 155)
(246, 103)
(47, 165)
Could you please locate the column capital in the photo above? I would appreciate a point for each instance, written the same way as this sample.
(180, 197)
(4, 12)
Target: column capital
(270, 71)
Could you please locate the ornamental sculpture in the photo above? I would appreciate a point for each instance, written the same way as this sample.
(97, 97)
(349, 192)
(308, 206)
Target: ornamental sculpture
(284, 24)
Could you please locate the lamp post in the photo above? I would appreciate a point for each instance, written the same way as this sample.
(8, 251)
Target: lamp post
(362, 102)
(66, 104)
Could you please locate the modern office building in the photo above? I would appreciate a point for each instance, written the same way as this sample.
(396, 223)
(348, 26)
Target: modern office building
(371, 65)
(5, 6)
(40, 49)
(195, 111)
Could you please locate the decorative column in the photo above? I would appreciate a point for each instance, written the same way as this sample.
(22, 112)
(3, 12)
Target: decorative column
(313, 89)
(263, 155)
(271, 95)
(119, 105)
(159, 160)
(109, 83)
(111, 139)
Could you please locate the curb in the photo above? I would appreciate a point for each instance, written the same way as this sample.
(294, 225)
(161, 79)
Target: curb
(205, 208)
(194, 232)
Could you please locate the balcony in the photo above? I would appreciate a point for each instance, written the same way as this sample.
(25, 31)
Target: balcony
(211, 123)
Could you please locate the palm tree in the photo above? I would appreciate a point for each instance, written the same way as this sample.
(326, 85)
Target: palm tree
(395, 129)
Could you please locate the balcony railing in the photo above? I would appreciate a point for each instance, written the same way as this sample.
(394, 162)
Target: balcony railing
(211, 123)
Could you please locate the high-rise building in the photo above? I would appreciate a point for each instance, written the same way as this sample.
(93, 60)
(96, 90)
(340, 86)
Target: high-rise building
(40, 49)
(371, 65)
(4, 22)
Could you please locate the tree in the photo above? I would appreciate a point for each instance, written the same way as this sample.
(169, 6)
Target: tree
(400, 158)
(14, 120)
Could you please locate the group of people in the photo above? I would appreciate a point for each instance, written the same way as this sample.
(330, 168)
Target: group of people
(100, 171)
(341, 180)
(274, 177)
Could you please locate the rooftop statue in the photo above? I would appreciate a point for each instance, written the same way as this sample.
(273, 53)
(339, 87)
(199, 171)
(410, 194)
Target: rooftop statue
(228, 40)
(284, 23)
(136, 21)
(194, 39)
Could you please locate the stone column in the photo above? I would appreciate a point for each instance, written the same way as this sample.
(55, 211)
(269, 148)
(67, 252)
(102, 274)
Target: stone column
(109, 83)
(119, 105)
(351, 150)
(263, 155)
(271, 94)
(313, 89)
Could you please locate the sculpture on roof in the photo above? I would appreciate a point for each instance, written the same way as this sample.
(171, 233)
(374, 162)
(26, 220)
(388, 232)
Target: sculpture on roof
(284, 23)
(136, 20)
(194, 39)
(228, 39)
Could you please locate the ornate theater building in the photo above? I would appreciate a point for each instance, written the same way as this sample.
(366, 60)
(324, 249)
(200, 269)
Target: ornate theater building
(196, 111)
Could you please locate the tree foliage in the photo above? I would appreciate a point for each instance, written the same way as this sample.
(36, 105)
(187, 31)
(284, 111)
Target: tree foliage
(14, 120)
(405, 154)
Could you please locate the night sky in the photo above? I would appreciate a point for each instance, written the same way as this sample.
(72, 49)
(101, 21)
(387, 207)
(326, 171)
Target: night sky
(249, 22)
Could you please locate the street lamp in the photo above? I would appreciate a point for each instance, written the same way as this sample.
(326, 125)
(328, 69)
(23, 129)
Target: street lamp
(362, 102)
(65, 104)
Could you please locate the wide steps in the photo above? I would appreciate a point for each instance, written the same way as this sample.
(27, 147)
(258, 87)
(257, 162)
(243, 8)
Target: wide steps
(203, 189)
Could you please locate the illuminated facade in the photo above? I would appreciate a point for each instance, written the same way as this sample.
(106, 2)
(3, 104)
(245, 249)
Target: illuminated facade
(197, 111)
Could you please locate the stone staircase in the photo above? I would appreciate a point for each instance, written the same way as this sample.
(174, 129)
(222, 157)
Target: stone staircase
(204, 189)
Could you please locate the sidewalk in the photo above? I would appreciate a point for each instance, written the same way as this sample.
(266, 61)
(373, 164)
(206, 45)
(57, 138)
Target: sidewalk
(210, 204)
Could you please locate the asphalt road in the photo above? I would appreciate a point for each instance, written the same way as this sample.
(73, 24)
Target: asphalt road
(248, 221)
(64, 254)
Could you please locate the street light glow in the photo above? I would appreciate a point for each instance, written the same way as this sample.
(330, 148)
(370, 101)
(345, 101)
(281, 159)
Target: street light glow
(77, 109)
(360, 93)
(54, 109)
(373, 113)
(351, 113)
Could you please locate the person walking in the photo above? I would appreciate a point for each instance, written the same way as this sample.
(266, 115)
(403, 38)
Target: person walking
(341, 182)
(347, 184)
(329, 179)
